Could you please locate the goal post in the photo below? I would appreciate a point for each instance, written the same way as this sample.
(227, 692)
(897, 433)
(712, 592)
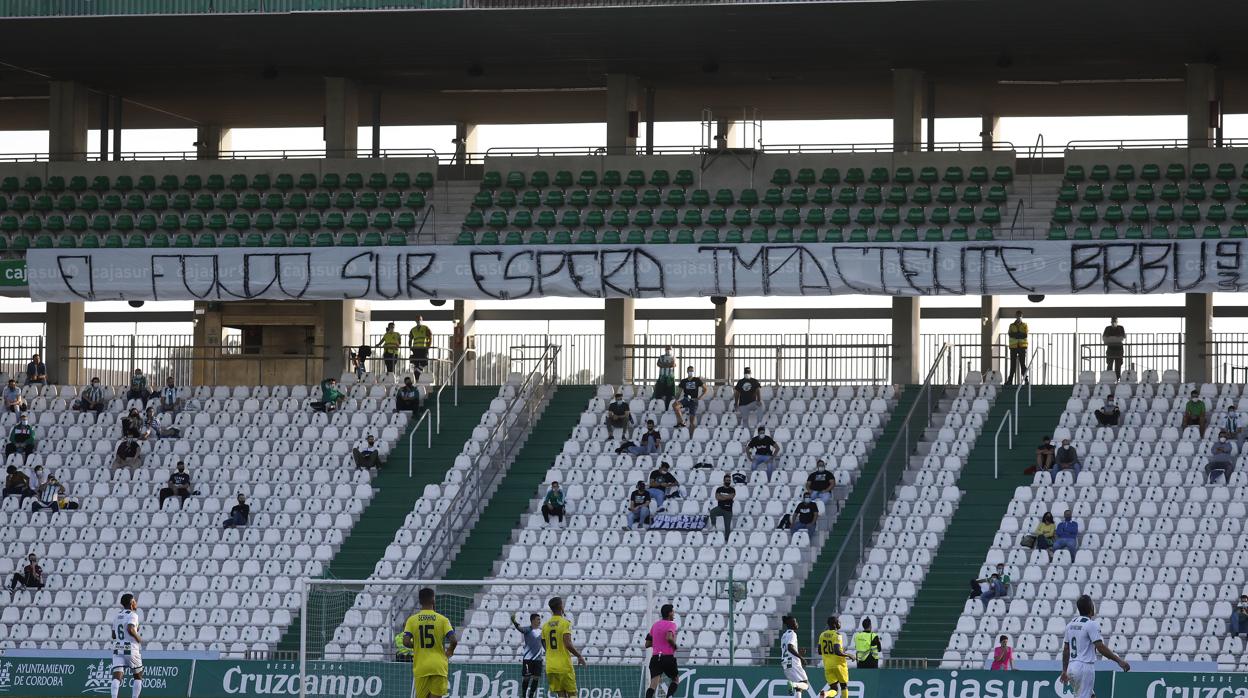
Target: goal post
(348, 633)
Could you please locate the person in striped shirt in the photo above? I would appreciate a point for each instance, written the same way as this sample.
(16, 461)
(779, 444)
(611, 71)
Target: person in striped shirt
(170, 397)
(92, 398)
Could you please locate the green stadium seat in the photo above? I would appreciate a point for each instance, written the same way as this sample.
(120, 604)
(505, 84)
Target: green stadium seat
(896, 195)
(1125, 173)
(217, 222)
(635, 179)
(692, 219)
(522, 220)
(904, 176)
(964, 216)
(300, 239)
(309, 221)
(1107, 233)
(940, 216)
(263, 222)
(1170, 192)
(954, 175)
(54, 223)
(808, 235)
(42, 203)
(491, 180)
(1240, 214)
(287, 221)
(915, 216)
(1139, 214)
(422, 181)
(10, 185)
(1099, 173)
(1225, 171)
(344, 201)
(815, 217)
(839, 217)
(89, 241)
(922, 196)
(908, 235)
(1150, 172)
(253, 240)
(531, 199)
(1118, 193)
(1201, 171)
(32, 185)
(1196, 192)
(978, 174)
(782, 178)
(1003, 174)
(1237, 231)
(353, 181)
(546, 219)
(933, 235)
(285, 182)
(404, 221)
(996, 194)
(667, 217)
(323, 239)
(1088, 215)
(872, 196)
(1075, 174)
(734, 235)
(123, 222)
(947, 195)
(1221, 192)
(1057, 232)
(858, 235)
(1175, 172)
(834, 235)
(883, 235)
(1083, 233)
(55, 184)
(611, 237)
(865, 216)
(67, 203)
(329, 180)
(797, 197)
(1094, 193)
(229, 239)
(890, 217)
(249, 202)
(1164, 214)
(830, 176)
(806, 177)
(506, 199)
(984, 235)
(1114, 215)
(855, 176)
(972, 195)
(240, 221)
(847, 196)
(1216, 214)
(78, 184)
(32, 224)
(1185, 232)
(44, 241)
(879, 175)
(1190, 213)
(587, 237)
(660, 237)
(1211, 231)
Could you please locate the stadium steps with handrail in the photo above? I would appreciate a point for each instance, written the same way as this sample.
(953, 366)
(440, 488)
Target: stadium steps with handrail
(396, 494)
(511, 500)
(985, 499)
(852, 507)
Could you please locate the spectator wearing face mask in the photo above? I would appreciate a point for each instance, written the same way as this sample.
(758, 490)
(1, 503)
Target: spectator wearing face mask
(128, 455)
(132, 424)
(92, 398)
(179, 485)
(747, 396)
(1108, 414)
(153, 430)
(1221, 460)
(13, 399)
(651, 441)
(821, 482)
(662, 485)
(692, 390)
(638, 507)
(16, 483)
(725, 498)
(618, 415)
(21, 438)
(138, 386)
(30, 577)
(1067, 534)
(805, 515)
(368, 455)
(170, 397)
(665, 386)
(1066, 457)
(1195, 414)
(763, 449)
(51, 495)
(407, 397)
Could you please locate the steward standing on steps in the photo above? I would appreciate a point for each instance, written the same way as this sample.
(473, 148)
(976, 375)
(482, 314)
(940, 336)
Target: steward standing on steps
(420, 339)
(867, 647)
(1017, 333)
(389, 344)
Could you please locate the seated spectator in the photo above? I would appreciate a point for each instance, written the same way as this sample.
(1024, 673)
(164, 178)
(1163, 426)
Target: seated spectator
(16, 483)
(132, 424)
(331, 397)
(21, 438)
(92, 398)
(1003, 655)
(692, 389)
(638, 507)
(988, 588)
(662, 485)
(240, 514)
(1067, 533)
(618, 415)
(38, 477)
(52, 496)
(1045, 534)
(171, 398)
(13, 400)
(554, 503)
(763, 449)
(127, 455)
(1195, 414)
(1066, 457)
(1044, 456)
(31, 576)
(367, 455)
(1239, 616)
(1108, 414)
(1004, 577)
(138, 386)
(805, 516)
(179, 485)
(820, 483)
(407, 397)
(1221, 460)
(651, 441)
(36, 371)
(725, 497)
(153, 430)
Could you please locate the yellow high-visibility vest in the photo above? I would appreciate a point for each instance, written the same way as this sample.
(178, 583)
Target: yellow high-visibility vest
(864, 646)
(421, 336)
(1018, 334)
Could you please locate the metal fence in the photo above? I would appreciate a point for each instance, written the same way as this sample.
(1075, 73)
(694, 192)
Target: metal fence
(771, 358)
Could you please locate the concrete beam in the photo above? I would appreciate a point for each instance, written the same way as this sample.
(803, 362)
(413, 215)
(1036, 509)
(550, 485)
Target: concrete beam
(67, 121)
(622, 116)
(66, 327)
(1197, 337)
(908, 98)
(989, 314)
(724, 316)
(465, 141)
(342, 118)
(1200, 96)
(211, 140)
(617, 329)
(989, 125)
(465, 337)
(906, 349)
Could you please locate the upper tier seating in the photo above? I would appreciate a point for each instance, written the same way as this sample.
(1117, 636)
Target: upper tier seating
(285, 207)
(1162, 552)
(200, 586)
(879, 204)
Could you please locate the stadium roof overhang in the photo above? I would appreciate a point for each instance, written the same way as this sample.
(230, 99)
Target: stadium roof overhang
(790, 60)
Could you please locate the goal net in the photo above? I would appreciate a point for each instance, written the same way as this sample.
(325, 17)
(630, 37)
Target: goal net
(350, 635)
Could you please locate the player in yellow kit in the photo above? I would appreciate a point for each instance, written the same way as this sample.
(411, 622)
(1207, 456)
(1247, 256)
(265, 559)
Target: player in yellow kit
(433, 641)
(835, 660)
(557, 637)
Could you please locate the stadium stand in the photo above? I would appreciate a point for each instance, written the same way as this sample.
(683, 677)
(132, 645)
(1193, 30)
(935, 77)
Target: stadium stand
(203, 587)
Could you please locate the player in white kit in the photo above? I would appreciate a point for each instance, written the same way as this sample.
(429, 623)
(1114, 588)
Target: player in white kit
(791, 659)
(1081, 648)
(126, 645)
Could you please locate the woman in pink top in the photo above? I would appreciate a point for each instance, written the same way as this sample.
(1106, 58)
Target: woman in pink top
(1003, 655)
(662, 639)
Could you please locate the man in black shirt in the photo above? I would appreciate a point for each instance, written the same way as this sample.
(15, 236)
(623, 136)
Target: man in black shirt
(651, 441)
(805, 516)
(724, 497)
(1044, 456)
(638, 507)
(1108, 414)
(663, 485)
(367, 455)
(1114, 337)
(407, 398)
(819, 484)
(692, 389)
(747, 396)
(240, 514)
(618, 415)
(764, 449)
(179, 485)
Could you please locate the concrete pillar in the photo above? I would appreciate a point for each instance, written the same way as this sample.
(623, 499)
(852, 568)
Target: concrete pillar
(649, 97)
(617, 329)
(727, 134)
(908, 92)
(342, 117)
(211, 140)
(465, 141)
(66, 327)
(466, 338)
(906, 349)
(1201, 95)
(989, 124)
(342, 324)
(67, 121)
(989, 310)
(621, 114)
(724, 316)
(1197, 334)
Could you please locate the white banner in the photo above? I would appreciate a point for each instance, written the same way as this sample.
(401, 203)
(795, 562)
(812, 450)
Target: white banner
(639, 271)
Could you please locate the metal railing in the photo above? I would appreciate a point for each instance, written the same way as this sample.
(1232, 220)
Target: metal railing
(197, 364)
(411, 439)
(454, 383)
(775, 359)
(875, 503)
(490, 463)
(1006, 419)
(1159, 356)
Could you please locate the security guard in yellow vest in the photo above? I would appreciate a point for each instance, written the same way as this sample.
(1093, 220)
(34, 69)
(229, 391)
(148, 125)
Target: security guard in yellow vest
(390, 343)
(401, 652)
(1017, 334)
(420, 339)
(867, 647)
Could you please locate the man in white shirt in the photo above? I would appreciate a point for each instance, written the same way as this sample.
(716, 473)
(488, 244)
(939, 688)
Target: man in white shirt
(126, 646)
(1082, 644)
(791, 659)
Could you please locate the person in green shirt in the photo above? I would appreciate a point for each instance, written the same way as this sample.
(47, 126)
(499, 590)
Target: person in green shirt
(138, 386)
(390, 343)
(553, 504)
(1195, 414)
(331, 396)
(21, 438)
